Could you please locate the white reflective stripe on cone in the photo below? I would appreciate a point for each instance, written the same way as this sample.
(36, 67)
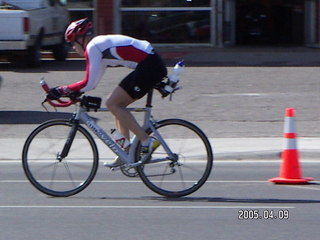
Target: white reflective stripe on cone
(290, 143)
(289, 125)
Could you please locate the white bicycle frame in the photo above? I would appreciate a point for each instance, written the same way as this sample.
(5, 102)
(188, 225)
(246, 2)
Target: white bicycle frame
(128, 158)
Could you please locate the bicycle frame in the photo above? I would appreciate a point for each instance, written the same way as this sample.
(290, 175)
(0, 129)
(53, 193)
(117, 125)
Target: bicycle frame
(81, 115)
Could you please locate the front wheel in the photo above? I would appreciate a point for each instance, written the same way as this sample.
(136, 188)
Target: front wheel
(47, 171)
(187, 169)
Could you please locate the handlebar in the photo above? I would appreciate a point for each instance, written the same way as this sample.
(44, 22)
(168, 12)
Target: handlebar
(72, 100)
(60, 103)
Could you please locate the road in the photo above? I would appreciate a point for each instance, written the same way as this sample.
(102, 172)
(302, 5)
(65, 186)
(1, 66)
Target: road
(116, 207)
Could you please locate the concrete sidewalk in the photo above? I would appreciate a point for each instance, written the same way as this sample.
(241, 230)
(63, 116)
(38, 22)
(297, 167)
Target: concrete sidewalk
(223, 148)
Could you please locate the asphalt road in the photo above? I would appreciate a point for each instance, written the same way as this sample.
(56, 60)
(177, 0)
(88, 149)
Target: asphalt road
(116, 207)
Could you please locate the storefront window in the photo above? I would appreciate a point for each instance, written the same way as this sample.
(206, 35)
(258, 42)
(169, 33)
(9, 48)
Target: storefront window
(80, 8)
(78, 3)
(167, 21)
(168, 27)
(165, 3)
(312, 34)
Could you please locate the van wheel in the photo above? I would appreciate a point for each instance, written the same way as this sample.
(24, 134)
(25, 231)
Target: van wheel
(34, 53)
(60, 51)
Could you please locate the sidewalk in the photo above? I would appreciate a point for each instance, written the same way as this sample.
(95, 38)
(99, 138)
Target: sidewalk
(223, 149)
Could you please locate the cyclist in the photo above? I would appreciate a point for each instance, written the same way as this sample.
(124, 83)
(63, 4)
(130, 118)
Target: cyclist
(115, 50)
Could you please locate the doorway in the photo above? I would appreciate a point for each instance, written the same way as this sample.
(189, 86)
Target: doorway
(270, 22)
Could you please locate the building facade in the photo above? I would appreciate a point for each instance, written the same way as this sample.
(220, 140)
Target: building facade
(206, 22)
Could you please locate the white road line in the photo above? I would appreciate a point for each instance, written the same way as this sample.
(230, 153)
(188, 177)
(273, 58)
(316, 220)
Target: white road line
(303, 187)
(136, 181)
(145, 207)
(216, 161)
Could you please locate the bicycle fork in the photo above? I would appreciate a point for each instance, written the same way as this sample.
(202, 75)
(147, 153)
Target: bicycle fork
(69, 141)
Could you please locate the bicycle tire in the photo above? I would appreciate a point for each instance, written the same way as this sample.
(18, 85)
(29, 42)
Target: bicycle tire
(195, 160)
(50, 175)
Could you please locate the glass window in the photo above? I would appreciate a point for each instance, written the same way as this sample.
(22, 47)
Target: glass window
(79, 8)
(168, 26)
(76, 15)
(165, 3)
(78, 3)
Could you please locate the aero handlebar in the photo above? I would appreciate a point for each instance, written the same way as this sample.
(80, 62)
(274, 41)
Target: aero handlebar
(60, 103)
(74, 99)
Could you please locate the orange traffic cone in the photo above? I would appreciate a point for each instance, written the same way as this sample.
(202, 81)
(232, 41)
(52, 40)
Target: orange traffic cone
(290, 172)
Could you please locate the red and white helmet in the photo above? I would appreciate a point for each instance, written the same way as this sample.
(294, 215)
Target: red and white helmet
(82, 27)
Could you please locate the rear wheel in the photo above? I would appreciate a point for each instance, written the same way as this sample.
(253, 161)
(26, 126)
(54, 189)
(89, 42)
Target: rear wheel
(187, 169)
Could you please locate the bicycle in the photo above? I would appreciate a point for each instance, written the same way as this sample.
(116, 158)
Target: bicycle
(60, 157)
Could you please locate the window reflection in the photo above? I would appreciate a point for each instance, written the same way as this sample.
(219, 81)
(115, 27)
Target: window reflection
(76, 15)
(168, 27)
(79, 8)
(78, 3)
(165, 3)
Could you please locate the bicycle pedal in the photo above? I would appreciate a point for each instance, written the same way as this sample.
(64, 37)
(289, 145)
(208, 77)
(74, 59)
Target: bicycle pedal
(115, 169)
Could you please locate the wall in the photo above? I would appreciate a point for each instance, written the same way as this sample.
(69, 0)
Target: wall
(105, 16)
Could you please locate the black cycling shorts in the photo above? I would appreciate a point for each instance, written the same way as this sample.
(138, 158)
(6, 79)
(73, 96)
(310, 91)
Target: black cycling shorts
(147, 74)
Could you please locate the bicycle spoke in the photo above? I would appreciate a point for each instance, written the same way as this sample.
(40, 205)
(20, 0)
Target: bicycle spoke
(69, 173)
(163, 175)
(55, 166)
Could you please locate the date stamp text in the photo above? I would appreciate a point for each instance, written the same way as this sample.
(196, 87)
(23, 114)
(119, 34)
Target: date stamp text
(263, 214)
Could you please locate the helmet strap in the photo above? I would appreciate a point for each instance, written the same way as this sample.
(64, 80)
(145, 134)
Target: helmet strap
(81, 44)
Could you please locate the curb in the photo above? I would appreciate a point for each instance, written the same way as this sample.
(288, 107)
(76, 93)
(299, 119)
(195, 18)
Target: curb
(265, 155)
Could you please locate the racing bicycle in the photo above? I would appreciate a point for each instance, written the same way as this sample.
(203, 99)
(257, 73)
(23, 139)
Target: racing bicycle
(60, 157)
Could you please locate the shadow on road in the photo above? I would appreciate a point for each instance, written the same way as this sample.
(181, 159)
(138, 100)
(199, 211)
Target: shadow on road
(47, 65)
(238, 200)
(30, 117)
(211, 200)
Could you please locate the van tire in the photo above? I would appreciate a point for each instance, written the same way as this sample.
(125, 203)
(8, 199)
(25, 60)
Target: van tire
(33, 58)
(60, 51)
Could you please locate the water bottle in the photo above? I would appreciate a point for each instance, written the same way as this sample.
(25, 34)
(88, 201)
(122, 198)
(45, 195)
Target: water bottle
(120, 139)
(44, 85)
(175, 76)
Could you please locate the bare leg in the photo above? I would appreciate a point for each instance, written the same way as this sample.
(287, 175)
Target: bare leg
(122, 129)
(125, 121)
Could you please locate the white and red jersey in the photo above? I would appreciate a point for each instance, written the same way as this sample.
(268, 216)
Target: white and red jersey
(110, 50)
